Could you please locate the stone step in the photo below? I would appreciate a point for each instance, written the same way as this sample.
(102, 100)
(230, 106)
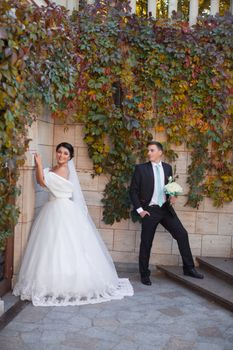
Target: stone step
(127, 267)
(211, 286)
(220, 267)
(12, 312)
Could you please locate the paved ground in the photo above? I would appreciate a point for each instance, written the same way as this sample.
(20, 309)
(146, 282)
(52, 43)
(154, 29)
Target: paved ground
(164, 316)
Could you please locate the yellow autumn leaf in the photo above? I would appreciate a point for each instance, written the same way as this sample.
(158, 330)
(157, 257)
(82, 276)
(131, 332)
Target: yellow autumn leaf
(98, 169)
(158, 83)
(159, 128)
(91, 92)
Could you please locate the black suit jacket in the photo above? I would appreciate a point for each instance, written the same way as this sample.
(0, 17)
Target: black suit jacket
(142, 184)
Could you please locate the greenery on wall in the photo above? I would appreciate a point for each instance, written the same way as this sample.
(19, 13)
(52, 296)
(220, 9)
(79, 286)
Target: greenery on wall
(183, 75)
(124, 77)
(35, 66)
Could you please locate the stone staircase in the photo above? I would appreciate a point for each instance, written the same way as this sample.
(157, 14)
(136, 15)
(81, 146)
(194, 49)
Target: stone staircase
(217, 284)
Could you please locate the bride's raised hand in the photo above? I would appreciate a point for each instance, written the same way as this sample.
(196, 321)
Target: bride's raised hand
(38, 160)
(39, 170)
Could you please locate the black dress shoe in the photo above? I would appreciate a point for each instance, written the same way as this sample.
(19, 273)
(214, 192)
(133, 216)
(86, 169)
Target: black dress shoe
(193, 273)
(146, 281)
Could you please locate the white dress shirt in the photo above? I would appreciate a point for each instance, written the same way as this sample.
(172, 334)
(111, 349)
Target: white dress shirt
(154, 199)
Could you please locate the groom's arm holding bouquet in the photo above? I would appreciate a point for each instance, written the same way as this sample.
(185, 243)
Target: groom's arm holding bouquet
(170, 198)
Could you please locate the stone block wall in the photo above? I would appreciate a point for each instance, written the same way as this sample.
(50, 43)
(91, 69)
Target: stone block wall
(210, 229)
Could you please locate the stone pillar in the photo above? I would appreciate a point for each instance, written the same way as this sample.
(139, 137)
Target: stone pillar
(72, 5)
(193, 12)
(41, 2)
(61, 2)
(231, 7)
(133, 6)
(69, 4)
(151, 11)
(32, 195)
(214, 7)
(1, 307)
(172, 6)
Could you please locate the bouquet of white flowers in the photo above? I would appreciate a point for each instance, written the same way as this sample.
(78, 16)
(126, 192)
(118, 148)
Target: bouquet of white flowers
(172, 188)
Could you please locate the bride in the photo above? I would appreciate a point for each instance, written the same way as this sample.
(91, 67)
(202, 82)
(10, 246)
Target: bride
(66, 261)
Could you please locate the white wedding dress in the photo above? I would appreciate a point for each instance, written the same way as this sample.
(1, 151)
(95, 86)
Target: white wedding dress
(66, 261)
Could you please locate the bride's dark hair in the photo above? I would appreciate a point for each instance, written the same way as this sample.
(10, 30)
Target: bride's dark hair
(67, 146)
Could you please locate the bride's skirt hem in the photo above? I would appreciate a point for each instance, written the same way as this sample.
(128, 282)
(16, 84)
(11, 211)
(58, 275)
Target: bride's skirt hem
(123, 289)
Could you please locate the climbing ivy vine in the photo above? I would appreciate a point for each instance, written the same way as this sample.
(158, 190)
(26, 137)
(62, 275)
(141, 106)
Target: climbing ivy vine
(124, 77)
(36, 66)
(173, 79)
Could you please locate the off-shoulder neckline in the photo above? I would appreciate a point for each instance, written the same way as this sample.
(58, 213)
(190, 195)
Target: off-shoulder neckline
(62, 177)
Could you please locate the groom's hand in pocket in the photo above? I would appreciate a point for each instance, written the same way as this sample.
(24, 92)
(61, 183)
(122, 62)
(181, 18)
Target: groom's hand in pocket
(144, 213)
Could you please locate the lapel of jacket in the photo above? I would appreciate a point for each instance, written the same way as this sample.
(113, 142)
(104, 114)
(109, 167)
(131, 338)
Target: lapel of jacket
(150, 174)
(165, 169)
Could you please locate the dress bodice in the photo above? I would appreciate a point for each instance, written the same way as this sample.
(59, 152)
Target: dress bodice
(57, 185)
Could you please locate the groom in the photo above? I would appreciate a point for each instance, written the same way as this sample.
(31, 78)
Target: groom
(154, 207)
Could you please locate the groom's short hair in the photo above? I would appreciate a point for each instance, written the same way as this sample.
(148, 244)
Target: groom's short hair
(156, 143)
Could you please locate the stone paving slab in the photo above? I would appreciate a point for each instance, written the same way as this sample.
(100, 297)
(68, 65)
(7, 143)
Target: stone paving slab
(164, 316)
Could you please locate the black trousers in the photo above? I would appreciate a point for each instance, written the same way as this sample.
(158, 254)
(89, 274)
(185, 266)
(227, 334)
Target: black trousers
(161, 215)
